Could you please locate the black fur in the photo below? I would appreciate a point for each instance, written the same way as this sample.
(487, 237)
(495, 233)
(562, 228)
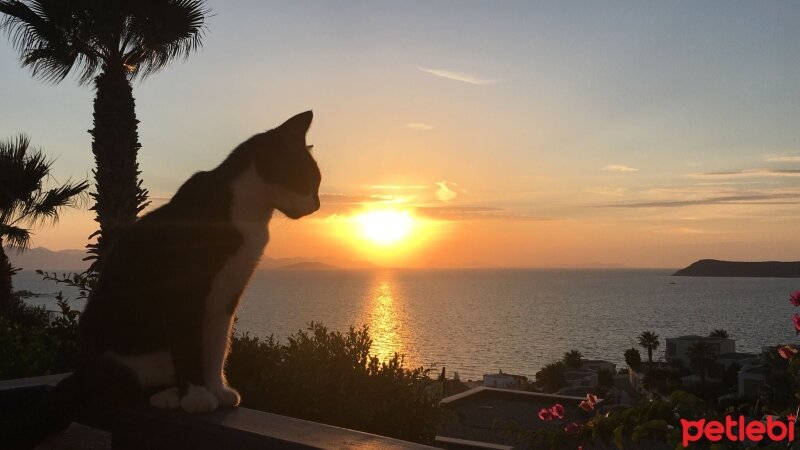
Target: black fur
(154, 281)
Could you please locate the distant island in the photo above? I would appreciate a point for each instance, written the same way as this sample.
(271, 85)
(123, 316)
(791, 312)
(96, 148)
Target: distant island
(716, 268)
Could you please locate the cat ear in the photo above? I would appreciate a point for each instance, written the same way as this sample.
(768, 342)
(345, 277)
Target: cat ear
(297, 126)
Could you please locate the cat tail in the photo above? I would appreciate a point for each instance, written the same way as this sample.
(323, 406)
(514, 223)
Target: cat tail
(27, 427)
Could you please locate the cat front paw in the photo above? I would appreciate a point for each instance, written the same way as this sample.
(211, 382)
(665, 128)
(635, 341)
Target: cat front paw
(166, 399)
(227, 396)
(198, 399)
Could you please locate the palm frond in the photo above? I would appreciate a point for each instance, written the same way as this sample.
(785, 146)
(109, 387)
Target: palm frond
(48, 35)
(162, 31)
(16, 238)
(48, 204)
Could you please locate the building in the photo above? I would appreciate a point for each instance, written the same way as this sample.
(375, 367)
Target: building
(677, 347)
(599, 364)
(482, 418)
(580, 377)
(505, 381)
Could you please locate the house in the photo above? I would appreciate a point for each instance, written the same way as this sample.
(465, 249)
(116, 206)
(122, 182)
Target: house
(482, 418)
(677, 347)
(751, 379)
(580, 377)
(505, 381)
(599, 364)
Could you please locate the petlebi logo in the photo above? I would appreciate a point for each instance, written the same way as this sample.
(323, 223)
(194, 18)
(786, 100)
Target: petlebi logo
(738, 429)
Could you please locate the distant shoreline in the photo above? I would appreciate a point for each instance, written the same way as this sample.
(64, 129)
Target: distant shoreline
(764, 269)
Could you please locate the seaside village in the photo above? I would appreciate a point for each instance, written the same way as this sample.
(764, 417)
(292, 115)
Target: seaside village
(493, 412)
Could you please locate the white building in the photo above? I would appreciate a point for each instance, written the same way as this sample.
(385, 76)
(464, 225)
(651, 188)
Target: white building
(505, 380)
(678, 347)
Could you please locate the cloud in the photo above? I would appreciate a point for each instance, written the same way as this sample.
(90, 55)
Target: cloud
(761, 199)
(472, 213)
(419, 126)
(748, 173)
(619, 168)
(782, 158)
(458, 76)
(444, 193)
(399, 187)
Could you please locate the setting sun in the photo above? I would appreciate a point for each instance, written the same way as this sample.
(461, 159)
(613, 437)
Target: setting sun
(385, 227)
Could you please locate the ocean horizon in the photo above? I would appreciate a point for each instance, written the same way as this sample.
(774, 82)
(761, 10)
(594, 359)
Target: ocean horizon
(476, 321)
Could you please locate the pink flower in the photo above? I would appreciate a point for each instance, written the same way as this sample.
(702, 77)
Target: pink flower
(545, 414)
(796, 321)
(557, 411)
(590, 402)
(572, 428)
(787, 352)
(795, 298)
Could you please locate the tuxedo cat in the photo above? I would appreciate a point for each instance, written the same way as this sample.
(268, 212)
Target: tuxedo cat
(169, 288)
(158, 322)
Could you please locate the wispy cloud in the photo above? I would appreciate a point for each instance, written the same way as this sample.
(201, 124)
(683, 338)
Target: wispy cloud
(748, 173)
(458, 76)
(782, 158)
(445, 193)
(619, 168)
(761, 199)
(399, 187)
(419, 126)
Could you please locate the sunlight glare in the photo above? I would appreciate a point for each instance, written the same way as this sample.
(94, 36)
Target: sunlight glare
(385, 227)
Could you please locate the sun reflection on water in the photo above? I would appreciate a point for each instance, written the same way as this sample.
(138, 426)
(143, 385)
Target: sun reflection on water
(384, 318)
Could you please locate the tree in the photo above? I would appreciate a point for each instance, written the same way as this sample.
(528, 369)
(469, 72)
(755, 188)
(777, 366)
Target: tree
(572, 359)
(701, 357)
(26, 203)
(649, 341)
(110, 42)
(633, 359)
(719, 333)
(551, 376)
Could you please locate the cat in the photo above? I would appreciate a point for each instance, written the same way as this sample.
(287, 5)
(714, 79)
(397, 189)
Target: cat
(159, 319)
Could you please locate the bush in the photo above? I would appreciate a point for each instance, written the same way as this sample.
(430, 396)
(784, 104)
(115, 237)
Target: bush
(329, 377)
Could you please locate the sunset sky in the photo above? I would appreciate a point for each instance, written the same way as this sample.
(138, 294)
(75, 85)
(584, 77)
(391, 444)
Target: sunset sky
(557, 134)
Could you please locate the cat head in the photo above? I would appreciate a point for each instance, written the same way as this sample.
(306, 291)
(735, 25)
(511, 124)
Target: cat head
(288, 167)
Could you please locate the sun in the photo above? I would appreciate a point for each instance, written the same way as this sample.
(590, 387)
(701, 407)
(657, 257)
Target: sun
(385, 227)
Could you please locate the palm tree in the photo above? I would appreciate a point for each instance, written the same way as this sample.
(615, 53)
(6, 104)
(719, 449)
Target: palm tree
(649, 341)
(25, 203)
(572, 358)
(701, 357)
(110, 42)
(719, 333)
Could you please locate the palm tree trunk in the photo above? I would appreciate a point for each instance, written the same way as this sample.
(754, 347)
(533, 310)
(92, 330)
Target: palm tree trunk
(119, 195)
(6, 271)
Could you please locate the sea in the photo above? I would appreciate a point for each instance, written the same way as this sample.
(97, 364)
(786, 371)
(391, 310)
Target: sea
(476, 321)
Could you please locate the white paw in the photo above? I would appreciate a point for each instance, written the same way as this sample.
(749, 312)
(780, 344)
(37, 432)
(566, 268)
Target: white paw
(199, 400)
(227, 396)
(166, 399)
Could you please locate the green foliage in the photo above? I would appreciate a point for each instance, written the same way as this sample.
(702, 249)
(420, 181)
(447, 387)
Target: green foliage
(719, 333)
(329, 377)
(34, 342)
(572, 359)
(551, 376)
(633, 359)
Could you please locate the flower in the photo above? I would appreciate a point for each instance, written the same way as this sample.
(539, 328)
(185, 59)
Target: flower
(589, 403)
(557, 411)
(545, 414)
(787, 351)
(572, 428)
(796, 321)
(795, 298)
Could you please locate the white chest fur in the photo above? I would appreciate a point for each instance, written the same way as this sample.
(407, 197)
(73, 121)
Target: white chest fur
(249, 215)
